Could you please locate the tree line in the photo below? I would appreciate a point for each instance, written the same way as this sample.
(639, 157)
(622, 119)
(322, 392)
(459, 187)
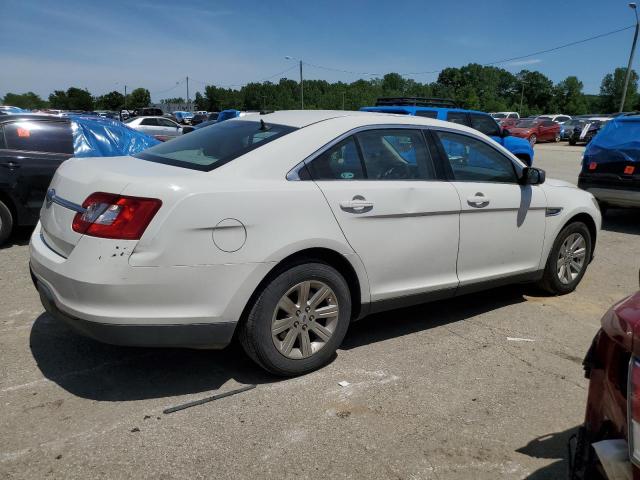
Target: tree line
(473, 86)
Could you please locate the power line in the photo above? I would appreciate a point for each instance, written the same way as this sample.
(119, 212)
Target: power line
(243, 84)
(506, 60)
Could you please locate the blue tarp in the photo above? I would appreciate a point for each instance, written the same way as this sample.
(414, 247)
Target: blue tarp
(618, 139)
(103, 137)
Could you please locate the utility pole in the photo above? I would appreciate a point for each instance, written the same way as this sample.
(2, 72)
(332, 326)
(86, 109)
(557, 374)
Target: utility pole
(301, 88)
(521, 97)
(343, 100)
(633, 50)
(189, 109)
(125, 97)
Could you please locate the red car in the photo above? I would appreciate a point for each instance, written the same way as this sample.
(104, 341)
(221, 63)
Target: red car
(536, 130)
(609, 440)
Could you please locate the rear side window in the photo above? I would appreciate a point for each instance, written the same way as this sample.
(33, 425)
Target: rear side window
(340, 162)
(149, 121)
(387, 154)
(208, 148)
(485, 124)
(458, 117)
(39, 136)
(427, 113)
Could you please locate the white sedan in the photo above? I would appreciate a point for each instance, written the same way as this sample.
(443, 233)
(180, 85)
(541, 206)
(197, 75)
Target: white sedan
(161, 128)
(283, 228)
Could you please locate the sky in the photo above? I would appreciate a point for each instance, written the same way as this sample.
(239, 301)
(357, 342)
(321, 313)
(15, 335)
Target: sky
(103, 45)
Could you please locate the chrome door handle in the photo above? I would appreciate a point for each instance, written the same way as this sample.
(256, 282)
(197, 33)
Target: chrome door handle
(357, 204)
(478, 200)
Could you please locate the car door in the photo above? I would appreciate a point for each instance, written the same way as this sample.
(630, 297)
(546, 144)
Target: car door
(502, 223)
(150, 126)
(33, 151)
(169, 128)
(403, 223)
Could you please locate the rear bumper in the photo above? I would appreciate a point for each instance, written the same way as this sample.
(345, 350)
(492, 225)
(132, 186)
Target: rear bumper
(211, 335)
(621, 194)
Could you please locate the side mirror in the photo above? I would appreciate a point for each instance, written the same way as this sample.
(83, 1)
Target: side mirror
(532, 176)
(505, 133)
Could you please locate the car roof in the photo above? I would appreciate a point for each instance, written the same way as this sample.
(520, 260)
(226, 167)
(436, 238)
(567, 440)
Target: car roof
(304, 118)
(31, 116)
(412, 109)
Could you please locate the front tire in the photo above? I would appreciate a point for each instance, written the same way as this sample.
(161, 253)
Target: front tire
(6, 222)
(298, 321)
(568, 259)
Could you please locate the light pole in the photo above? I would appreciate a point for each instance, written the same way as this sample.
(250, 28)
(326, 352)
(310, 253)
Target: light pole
(633, 6)
(301, 83)
(343, 99)
(521, 96)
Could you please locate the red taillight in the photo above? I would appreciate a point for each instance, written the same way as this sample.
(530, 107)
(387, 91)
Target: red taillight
(115, 216)
(593, 165)
(629, 169)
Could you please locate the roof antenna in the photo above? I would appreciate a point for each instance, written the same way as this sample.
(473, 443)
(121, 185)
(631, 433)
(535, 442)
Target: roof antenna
(263, 126)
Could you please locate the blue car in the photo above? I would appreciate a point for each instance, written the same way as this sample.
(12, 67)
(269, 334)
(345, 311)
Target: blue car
(447, 110)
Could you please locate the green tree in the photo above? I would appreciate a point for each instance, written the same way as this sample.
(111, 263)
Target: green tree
(27, 100)
(538, 92)
(79, 99)
(569, 97)
(110, 101)
(59, 100)
(611, 91)
(139, 98)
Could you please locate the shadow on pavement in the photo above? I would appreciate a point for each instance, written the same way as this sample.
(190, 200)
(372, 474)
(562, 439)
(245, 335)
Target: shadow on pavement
(553, 446)
(397, 323)
(98, 371)
(622, 220)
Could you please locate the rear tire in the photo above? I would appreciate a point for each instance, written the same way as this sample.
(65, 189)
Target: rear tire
(281, 333)
(6, 223)
(572, 142)
(568, 259)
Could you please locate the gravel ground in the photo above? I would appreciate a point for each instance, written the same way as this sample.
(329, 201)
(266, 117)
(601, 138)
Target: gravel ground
(435, 392)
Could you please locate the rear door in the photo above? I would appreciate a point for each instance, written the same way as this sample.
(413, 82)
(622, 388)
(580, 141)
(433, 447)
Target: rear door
(34, 150)
(150, 126)
(403, 223)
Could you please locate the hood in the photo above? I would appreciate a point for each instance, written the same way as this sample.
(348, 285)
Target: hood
(622, 323)
(553, 182)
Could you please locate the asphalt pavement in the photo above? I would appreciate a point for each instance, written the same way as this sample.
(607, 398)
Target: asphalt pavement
(487, 386)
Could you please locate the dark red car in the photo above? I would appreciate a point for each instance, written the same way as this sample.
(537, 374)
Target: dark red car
(536, 130)
(610, 436)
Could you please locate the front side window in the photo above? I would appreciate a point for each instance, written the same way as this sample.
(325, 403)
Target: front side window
(458, 117)
(39, 136)
(163, 122)
(473, 160)
(149, 122)
(208, 148)
(485, 124)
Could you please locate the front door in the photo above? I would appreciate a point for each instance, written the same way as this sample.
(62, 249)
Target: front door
(402, 222)
(502, 223)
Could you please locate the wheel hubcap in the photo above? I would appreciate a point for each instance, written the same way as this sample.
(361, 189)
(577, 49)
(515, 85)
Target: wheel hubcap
(571, 258)
(304, 319)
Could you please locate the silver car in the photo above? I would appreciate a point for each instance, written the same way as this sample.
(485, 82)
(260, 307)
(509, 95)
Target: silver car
(160, 128)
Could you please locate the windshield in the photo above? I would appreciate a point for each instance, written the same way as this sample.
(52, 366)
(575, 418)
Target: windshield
(498, 115)
(213, 146)
(526, 123)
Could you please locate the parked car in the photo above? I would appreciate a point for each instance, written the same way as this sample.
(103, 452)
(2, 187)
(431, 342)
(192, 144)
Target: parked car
(536, 130)
(9, 110)
(558, 117)
(213, 116)
(199, 118)
(505, 115)
(608, 441)
(148, 112)
(566, 128)
(33, 146)
(211, 213)
(584, 133)
(160, 128)
(480, 121)
(611, 164)
(183, 117)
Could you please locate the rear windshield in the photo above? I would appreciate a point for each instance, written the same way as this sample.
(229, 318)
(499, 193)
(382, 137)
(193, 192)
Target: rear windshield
(215, 145)
(498, 115)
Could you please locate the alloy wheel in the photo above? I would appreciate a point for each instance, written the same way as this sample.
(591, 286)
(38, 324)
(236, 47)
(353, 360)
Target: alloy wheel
(571, 258)
(304, 319)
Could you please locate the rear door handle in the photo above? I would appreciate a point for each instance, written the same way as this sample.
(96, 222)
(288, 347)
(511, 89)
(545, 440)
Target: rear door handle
(478, 200)
(10, 165)
(357, 204)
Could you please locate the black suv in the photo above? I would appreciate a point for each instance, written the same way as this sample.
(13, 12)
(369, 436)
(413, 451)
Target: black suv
(31, 149)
